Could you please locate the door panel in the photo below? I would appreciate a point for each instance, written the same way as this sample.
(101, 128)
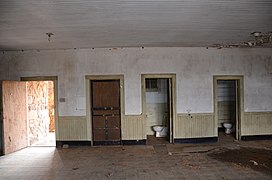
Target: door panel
(113, 121)
(113, 134)
(105, 112)
(106, 121)
(99, 134)
(99, 122)
(105, 135)
(106, 94)
(15, 116)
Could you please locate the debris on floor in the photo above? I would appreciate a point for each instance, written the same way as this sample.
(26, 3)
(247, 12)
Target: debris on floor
(161, 149)
(65, 146)
(244, 157)
(219, 160)
(254, 162)
(108, 175)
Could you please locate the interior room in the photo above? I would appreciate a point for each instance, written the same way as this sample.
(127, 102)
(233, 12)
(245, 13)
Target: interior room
(157, 110)
(119, 74)
(227, 107)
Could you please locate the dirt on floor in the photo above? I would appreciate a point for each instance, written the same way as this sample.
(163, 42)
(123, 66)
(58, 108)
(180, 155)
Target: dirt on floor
(256, 159)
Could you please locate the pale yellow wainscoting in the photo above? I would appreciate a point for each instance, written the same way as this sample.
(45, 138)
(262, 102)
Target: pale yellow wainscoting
(133, 127)
(72, 128)
(257, 123)
(195, 126)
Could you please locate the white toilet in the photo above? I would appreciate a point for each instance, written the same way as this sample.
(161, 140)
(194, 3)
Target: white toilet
(161, 131)
(227, 127)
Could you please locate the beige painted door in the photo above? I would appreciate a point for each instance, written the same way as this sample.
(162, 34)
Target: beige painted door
(14, 116)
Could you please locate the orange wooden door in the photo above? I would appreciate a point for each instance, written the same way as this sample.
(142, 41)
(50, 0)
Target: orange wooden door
(106, 112)
(14, 116)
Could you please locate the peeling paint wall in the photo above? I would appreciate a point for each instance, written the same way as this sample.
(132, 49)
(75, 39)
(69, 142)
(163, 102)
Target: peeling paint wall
(194, 69)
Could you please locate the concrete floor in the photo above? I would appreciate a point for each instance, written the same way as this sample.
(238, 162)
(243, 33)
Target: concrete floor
(50, 140)
(179, 161)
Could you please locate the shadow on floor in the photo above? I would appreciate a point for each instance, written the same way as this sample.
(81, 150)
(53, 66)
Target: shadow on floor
(152, 140)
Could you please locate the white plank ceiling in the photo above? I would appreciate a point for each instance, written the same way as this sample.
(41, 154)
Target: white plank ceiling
(130, 23)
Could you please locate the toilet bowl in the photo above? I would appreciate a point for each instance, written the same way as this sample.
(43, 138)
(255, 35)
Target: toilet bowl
(161, 131)
(227, 127)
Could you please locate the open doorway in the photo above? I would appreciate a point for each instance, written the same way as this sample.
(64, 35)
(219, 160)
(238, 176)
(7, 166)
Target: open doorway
(29, 113)
(228, 107)
(40, 113)
(158, 108)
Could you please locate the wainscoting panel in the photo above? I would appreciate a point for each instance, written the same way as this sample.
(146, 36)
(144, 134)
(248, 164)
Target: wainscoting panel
(133, 127)
(257, 123)
(195, 125)
(72, 128)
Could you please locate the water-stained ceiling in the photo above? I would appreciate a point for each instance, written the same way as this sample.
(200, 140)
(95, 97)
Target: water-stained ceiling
(130, 23)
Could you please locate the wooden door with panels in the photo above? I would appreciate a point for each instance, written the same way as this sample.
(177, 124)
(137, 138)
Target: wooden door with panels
(106, 112)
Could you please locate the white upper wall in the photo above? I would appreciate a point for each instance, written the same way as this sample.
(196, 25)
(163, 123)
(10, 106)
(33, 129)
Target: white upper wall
(160, 96)
(194, 69)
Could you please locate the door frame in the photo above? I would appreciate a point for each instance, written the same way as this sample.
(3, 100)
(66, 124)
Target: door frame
(1, 121)
(88, 80)
(172, 78)
(56, 109)
(239, 96)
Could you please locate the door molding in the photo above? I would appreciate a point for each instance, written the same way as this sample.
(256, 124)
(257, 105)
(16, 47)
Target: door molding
(171, 77)
(56, 107)
(240, 90)
(90, 78)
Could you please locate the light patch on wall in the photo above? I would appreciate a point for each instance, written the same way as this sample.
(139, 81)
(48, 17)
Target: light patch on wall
(62, 100)
(81, 103)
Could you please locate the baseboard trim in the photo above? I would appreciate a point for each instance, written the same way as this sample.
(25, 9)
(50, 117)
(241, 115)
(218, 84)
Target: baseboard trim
(196, 140)
(221, 129)
(101, 143)
(256, 137)
(134, 142)
(73, 143)
(106, 143)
